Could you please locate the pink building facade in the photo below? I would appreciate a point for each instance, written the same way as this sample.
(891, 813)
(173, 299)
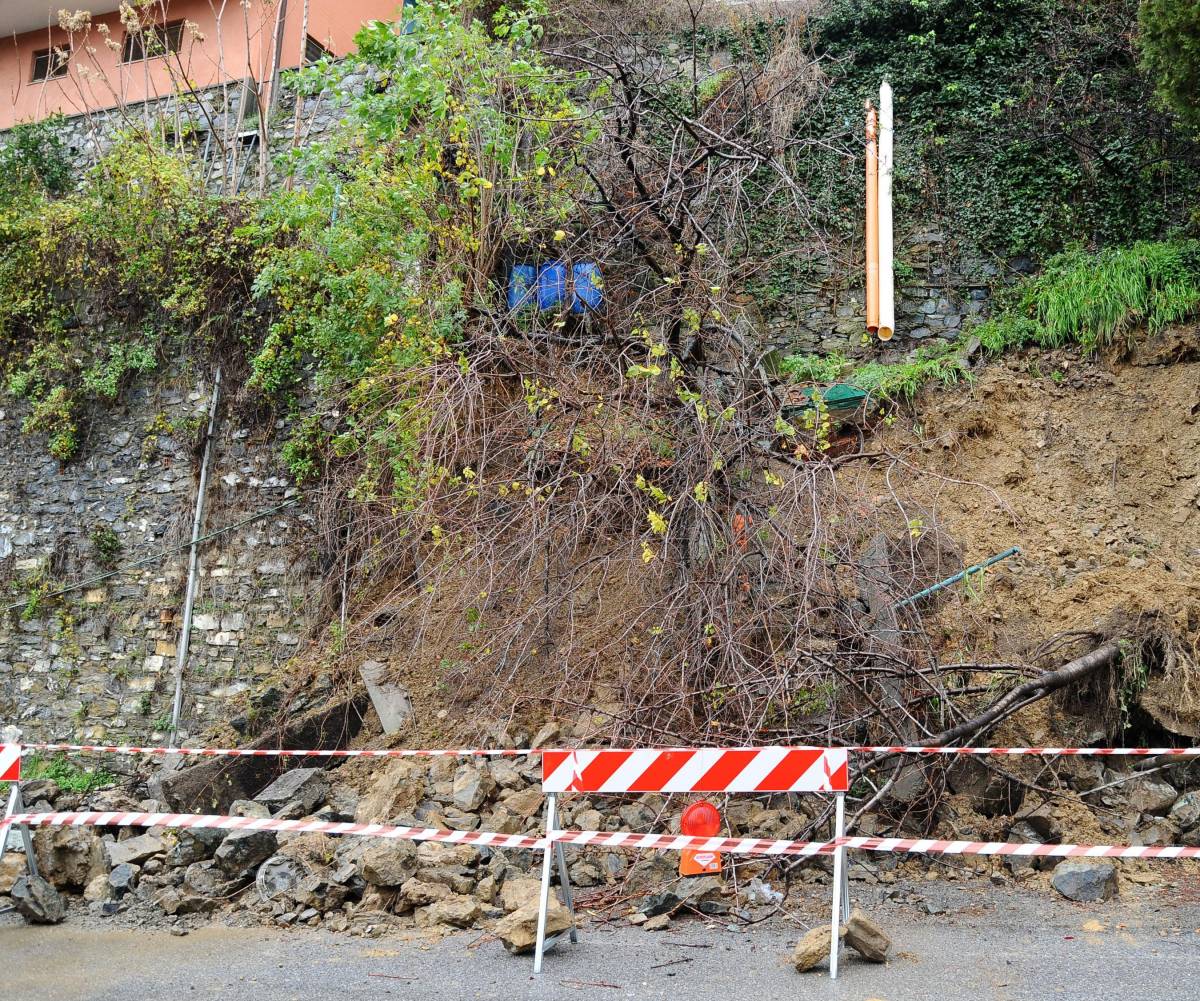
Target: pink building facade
(114, 55)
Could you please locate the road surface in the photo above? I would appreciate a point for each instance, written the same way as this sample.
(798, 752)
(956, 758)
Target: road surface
(990, 944)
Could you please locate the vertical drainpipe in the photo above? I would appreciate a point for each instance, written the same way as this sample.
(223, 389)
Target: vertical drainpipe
(189, 599)
(872, 224)
(887, 289)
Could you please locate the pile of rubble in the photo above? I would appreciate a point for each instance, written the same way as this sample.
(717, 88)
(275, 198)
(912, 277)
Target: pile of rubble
(370, 886)
(350, 884)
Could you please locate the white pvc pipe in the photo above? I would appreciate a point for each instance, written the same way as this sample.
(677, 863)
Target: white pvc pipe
(887, 290)
(189, 600)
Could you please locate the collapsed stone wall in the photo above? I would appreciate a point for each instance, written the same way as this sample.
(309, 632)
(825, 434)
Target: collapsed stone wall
(98, 663)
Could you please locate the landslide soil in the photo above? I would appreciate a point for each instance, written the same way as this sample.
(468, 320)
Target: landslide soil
(1092, 467)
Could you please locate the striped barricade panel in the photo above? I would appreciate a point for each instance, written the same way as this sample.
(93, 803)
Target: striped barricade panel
(757, 769)
(10, 762)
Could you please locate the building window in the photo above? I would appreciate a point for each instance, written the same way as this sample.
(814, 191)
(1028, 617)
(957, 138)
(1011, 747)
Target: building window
(49, 64)
(314, 51)
(152, 42)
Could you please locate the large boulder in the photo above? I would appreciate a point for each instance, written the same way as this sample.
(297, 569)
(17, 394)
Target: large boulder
(196, 844)
(517, 891)
(204, 879)
(319, 893)
(306, 787)
(991, 794)
(123, 878)
(69, 857)
(1152, 795)
(472, 787)
(419, 893)
(242, 852)
(401, 785)
(37, 901)
(1185, 811)
(518, 931)
(812, 949)
(456, 911)
(12, 868)
(389, 862)
(1085, 881)
(134, 850)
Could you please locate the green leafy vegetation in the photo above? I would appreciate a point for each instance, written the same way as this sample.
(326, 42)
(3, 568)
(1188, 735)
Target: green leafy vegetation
(106, 546)
(69, 776)
(390, 241)
(1095, 299)
(1169, 39)
(34, 154)
(901, 381)
(896, 382)
(815, 368)
(140, 242)
(1025, 123)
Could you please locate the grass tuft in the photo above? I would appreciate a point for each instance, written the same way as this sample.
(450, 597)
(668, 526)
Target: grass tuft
(1095, 299)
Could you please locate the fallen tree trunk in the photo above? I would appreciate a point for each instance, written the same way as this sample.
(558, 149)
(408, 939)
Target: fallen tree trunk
(1029, 691)
(1011, 702)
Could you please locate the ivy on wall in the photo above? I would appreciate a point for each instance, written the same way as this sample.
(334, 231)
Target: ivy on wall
(1026, 125)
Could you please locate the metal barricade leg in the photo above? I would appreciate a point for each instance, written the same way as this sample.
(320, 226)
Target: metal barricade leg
(544, 898)
(15, 805)
(840, 885)
(564, 881)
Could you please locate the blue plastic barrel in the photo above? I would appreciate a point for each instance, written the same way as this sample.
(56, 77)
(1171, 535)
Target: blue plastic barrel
(552, 286)
(588, 288)
(522, 286)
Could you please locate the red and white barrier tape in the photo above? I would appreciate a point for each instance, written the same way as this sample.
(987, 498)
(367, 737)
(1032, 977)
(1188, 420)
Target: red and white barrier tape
(499, 752)
(1046, 751)
(102, 819)
(223, 752)
(923, 845)
(604, 839)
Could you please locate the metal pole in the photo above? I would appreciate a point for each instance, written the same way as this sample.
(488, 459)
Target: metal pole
(15, 805)
(189, 598)
(544, 898)
(839, 853)
(564, 880)
(1014, 551)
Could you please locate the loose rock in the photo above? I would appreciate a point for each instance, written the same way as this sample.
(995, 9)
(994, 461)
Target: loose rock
(135, 850)
(244, 851)
(472, 787)
(811, 949)
(309, 786)
(518, 931)
(37, 901)
(389, 863)
(866, 938)
(1085, 881)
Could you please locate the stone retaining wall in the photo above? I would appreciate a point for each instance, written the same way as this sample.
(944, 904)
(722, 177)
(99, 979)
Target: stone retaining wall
(98, 663)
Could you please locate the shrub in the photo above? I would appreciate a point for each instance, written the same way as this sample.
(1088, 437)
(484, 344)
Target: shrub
(1169, 40)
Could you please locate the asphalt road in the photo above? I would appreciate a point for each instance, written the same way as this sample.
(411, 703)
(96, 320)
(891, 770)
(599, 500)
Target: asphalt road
(989, 945)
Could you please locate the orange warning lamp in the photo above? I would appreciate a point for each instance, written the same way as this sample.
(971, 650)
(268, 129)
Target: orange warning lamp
(701, 820)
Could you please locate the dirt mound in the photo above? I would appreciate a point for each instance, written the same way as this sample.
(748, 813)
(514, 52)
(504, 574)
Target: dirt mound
(1093, 469)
